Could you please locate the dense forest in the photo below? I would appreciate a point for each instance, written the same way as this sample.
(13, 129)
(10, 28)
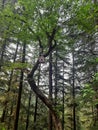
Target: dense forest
(48, 64)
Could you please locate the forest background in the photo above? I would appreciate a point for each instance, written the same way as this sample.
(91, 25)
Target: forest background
(48, 65)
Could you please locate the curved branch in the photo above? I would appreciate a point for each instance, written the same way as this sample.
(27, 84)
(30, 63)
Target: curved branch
(31, 74)
(38, 92)
(47, 102)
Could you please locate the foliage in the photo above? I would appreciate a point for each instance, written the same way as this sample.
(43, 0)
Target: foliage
(86, 16)
(88, 93)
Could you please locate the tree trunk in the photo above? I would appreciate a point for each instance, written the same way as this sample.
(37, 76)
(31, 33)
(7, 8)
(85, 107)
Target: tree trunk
(50, 89)
(35, 112)
(9, 122)
(20, 91)
(36, 100)
(56, 89)
(63, 101)
(9, 83)
(2, 54)
(73, 87)
(3, 114)
(44, 99)
(34, 87)
(28, 111)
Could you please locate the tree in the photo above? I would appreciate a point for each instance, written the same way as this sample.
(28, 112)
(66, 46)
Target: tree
(50, 29)
(20, 90)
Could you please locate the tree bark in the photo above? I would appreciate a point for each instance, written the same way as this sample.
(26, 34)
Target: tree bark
(35, 112)
(63, 100)
(20, 91)
(2, 54)
(9, 83)
(28, 112)
(9, 122)
(73, 87)
(50, 89)
(47, 102)
(36, 100)
(56, 73)
(38, 92)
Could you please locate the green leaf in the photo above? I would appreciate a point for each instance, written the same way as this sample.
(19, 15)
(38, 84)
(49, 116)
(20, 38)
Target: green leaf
(97, 59)
(3, 128)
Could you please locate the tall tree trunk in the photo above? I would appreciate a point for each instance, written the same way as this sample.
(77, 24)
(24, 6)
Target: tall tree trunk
(35, 112)
(28, 111)
(73, 87)
(2, 54)
(20, 90)
(63, 101)
(38, 92)
(4, 113)
(36, 99)
(1, 63)
(9, 122)
(9, 85)
(10, 82)
(50, 89)
(56, 89)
